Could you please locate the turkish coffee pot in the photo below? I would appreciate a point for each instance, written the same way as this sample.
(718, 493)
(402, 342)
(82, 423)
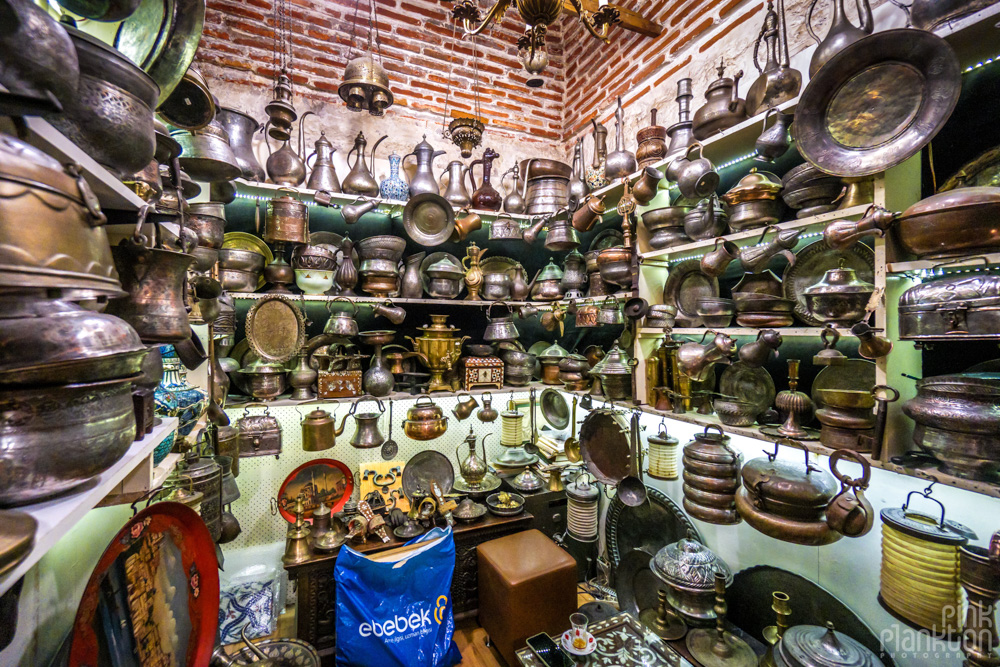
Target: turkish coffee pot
(620, 162)
(323, 175)
(456, 192)
(595, 173)
(366, 435)
(513, 201)
(485, 197)
(842, 32)
(286, 166)
(423, 179)
(472, 467)
(360, 181)
(723, 106)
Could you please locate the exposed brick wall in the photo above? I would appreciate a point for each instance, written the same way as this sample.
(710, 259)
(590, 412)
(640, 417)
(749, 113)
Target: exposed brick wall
(417, 43)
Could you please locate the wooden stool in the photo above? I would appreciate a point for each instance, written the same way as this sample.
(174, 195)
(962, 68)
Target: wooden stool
(527, 585)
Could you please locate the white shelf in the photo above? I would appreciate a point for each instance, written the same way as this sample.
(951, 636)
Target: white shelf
(55, 517)
(803, 223)
(813, 332)
(109, 190)
(462, 302)
(992, 259)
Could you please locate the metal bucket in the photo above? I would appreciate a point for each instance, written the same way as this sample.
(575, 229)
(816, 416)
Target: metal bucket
(548, 186)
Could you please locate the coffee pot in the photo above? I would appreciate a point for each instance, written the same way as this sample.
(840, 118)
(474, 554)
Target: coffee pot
(757, 353)
(842, 32)
(360, 180)
(367, 435)
(472, 468)
(323, 176)
(842, 235)
(695, 360)
(456, 192)
(513, 202)
(756, 257)
(773, 141)
(285, 166)
(723, 107)
(485, 197)
(423, 179)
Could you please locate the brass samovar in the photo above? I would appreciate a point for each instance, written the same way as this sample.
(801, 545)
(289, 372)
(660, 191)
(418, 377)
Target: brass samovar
(439, 348)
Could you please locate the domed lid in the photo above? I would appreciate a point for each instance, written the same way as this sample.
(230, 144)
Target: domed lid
(689, 564)
(662, 437)
(445, 268)
(32, 168)
(554, 352)
(550, 272)
(582, 488)
(813, 646)
(792, 482)
(842, 280)
(318, 416)
(753, 186)
(615, 362)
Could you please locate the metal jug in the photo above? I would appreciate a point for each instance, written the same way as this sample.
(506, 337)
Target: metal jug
(323, 176)
(423, 180)
(759, 352)
(353, 212)
(456, 192)
(595, 173)
(485, 197)
(367, 435)
(842, 32)
(756, 257)
(695, 360)
(707, 219)
(723, 106)
(386, 309)
(773, 141)
(578, 189)
(240, 127)
(360, 180)
(620, 162)
(777, 82)
(340, 323)
(841, 235)
(286, 166)
(500, 328)
(411, 286)
(519, 287)
(472, 468)
(513, 202)
(154, 281)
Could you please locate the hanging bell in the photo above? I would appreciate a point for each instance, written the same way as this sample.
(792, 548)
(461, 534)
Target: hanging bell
(280, 111)
(366, 86)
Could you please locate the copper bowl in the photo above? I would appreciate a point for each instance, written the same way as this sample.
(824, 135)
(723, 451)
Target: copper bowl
(616, 265)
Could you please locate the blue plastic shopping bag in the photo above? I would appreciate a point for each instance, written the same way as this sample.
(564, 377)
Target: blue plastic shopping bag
(397, 612)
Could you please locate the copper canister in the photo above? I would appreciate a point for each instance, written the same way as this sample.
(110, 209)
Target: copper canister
(654, 377)
(287, 219)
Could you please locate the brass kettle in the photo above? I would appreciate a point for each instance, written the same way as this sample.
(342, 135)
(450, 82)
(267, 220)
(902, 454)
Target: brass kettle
(723, 107)
(319, 431)
(360, 180)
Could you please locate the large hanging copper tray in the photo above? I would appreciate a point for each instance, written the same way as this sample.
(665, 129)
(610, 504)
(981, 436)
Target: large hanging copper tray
(685, 285)
(161, 37)
(649, 527)
(877, 102)
(604, 444)
(812, 262)
(276, 329)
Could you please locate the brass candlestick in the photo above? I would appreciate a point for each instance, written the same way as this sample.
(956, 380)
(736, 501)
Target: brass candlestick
(774, 633)
(796, 405)
(720, 648)
(297, 538)
(662, 621)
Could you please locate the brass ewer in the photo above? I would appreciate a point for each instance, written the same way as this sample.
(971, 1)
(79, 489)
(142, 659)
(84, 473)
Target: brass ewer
(438, 349)
(472, 467)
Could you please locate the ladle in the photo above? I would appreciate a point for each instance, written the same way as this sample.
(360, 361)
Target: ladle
(572, 446)
(631, 490)
(389, 447)
(529, 446)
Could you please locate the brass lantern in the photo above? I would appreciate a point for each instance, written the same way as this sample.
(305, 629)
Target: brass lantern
(280, 111)
(467, 133)
(366, 86)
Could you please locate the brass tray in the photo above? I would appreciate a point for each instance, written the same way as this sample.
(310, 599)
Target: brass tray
(498, 264)
(748, 384)
(276, 329)
(428, 219)
(245, 241)
(685, 285)
(877, 102)
(635, 584)
(161, 36)
(815, 260)
(648, 527)
(426, 467)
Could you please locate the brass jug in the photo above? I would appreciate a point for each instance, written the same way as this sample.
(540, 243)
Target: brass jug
(842, 32)
(323, 176)
(319, 431)
(456, 193)
(360, 180)
(286, 166)
(472, 468)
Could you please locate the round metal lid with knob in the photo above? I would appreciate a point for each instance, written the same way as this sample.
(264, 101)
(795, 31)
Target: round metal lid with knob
(814, 646)
(689, 564)
(582, 489)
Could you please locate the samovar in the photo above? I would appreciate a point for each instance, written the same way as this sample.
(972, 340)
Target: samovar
(438, 349)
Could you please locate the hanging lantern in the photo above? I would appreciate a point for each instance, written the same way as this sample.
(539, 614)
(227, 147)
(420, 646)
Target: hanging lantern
(920, 567)
(465, 131)
(366, 84)
(280, 111)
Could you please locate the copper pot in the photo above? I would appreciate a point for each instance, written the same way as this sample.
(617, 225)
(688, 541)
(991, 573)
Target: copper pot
(287, 219)
(616, 265)
(955, 222)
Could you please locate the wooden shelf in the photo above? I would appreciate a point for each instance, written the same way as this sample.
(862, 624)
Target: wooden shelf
(697, 248)
(955, 265)
(55, 517)
(393, 208)
(813, 332)
(109, 190)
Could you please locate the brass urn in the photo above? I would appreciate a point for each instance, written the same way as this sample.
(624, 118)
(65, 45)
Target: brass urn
(438, 349)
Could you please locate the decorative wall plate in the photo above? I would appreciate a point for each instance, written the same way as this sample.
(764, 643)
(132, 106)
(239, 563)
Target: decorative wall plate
(276, 329)
(159, 571)
(325, 480)
(748, 384)
(648, 527)
(426, 467)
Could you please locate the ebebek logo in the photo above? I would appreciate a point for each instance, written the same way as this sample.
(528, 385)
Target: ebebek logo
(403, 624)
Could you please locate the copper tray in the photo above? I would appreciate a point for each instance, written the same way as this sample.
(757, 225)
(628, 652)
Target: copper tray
(685, 285)
(877, 102)
(748, 384)
(635, 583)
(428, 219)
(852, 375)
(815, 260)
(276, 329)
(604, 444)
(648, 527)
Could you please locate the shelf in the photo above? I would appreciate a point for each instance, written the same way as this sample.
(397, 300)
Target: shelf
(973, 37)
(707, 244)
(55, 517)
(389, 207)
(541, 305)
(111, 192)
(284, 401)
(811, 332)
(726, 145)
(946, 266)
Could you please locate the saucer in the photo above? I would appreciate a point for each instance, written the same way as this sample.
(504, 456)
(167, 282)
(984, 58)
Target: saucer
(567, 644)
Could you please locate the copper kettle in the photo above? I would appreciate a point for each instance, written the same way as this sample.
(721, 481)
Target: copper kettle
(695, 360)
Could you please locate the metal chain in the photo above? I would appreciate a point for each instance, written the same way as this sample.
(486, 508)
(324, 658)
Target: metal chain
(475, 74)
(354, 23)
(451, 67)
(373, 25)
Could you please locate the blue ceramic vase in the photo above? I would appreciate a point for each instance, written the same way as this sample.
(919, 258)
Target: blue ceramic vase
(176, 397)
(394, 187)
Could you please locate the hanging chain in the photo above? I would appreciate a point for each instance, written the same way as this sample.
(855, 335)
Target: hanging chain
(281, 41)
(373, 27)
(354, 23)
(475, 75)
(447, 95)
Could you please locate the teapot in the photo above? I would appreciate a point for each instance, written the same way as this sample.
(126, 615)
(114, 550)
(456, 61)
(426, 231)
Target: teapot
(695, 360)
(360, 180)
(423, 180)
(706, 220)
(323, 176)
(472, 468)
(513, 202)
(756, 257)
(842, 32)
(519, 287)
(723, 107)
(760, 351)
(319, 431)
(456, 193)
(850, 513)
(285, 166)
(485, 197)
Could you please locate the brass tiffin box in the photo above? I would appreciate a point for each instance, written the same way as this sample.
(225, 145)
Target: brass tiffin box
(951, 308)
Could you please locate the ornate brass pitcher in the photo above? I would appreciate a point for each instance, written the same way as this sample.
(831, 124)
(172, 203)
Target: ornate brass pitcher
(360, 180)
(471, 466)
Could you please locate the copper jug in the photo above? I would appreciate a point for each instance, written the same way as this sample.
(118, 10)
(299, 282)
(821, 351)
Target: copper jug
(842, 235)
(154, 281)
(360, 180)
(323, 176)
(850, 513)
(485, 197)
(652, 142)
(760, 351)
(756, 257)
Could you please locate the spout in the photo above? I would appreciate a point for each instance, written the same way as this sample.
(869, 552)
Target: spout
(843, 234)
(374, 148)
(735, 99)
(531, 233)
(302, 134)
(340, 429)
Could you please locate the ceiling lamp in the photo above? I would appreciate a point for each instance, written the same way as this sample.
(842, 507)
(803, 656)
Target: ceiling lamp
(366, 85)
(538, 15)
(280, 110)
(465, 131)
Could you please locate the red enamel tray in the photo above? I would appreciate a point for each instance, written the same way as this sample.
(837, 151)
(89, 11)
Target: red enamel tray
(160, 571)
(324, 480)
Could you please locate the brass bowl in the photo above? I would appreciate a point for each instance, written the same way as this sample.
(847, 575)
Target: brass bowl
(846, 398)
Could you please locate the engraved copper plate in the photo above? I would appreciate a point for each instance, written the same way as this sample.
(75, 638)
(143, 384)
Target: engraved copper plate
(877, 102)
(604, 444)
(276, 329)
(749, 384)
(685, 285)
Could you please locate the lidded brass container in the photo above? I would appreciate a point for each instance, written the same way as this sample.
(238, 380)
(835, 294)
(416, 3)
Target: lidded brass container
(366, 86)
(615, 373)
(287, 219)
(550, 358)
(688, 569)
(711, 477)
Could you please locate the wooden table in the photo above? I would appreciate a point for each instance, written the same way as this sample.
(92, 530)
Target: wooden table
(317, 597)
